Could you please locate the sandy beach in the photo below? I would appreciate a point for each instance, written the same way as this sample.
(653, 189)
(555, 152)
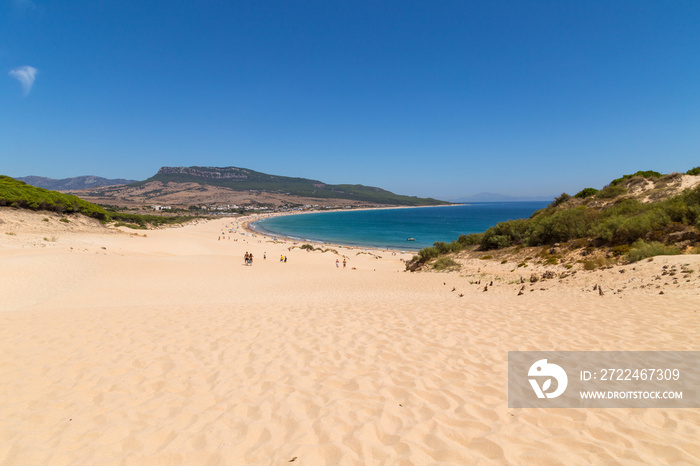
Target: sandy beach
(162, 347)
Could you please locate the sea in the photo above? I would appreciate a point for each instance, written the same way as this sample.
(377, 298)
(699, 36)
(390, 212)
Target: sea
(392, 228)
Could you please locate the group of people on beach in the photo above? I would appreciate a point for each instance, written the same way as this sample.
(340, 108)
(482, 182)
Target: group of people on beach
(248, 258)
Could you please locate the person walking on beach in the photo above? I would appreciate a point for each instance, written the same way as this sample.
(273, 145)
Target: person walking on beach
(337, 263)
(345, 263)
(281, 258)
(250, 259)
(246, 258)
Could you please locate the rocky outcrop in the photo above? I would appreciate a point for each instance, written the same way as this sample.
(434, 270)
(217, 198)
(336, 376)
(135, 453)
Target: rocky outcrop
(211, 173)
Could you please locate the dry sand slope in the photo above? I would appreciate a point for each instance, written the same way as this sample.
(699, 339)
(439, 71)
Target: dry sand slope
(166, 349)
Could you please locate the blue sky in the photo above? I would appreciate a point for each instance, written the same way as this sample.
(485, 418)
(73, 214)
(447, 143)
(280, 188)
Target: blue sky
(434, 98)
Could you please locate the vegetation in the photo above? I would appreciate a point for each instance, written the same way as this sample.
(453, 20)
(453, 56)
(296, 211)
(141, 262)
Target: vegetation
(624, 222)
(621, 250)
(19, 194)
(642, 174)
(610, 191)
(310, 247)
(693, 171)
(586, 192)
(15, 193)
(641, 250)
(444, 263)
(593, 264)
(560, 200)
(627, 226)
(142, 222)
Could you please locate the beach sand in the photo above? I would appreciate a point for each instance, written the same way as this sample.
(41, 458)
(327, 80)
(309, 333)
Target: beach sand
(162, 347)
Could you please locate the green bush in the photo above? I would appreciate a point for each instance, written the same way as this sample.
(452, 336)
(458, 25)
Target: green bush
(441, 247)
(504, 234)
(560, 200)
(641, 250)
(610, 191)
(625, 208)
(678, 210)
(586, 192)
(426, 254)
(625, 229)
(143, 221)
(592, 264)
(693, 171)
(445, 263)
(133, 226)
(470, 239)
(589, 265)
(644, 174)
(621, 250)
(561, 226)
(496, 242)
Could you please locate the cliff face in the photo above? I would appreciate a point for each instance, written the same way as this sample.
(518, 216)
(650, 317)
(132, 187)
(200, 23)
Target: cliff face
(210, 173)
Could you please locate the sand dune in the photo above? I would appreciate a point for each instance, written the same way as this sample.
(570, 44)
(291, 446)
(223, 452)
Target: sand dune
(166, 349)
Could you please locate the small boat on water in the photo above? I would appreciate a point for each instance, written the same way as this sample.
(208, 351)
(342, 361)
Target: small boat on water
(410, 239)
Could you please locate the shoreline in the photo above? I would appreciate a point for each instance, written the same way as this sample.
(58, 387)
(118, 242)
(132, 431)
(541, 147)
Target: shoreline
(272, 235)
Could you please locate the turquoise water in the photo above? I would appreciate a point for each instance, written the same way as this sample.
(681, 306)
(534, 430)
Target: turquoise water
(390, 228)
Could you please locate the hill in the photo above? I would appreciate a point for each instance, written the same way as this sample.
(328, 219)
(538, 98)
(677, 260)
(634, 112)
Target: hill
(72, 184)
(637, 215)
(18, 194)
(234, 189)
(241, 179)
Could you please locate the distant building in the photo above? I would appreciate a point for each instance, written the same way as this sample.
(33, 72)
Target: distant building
(161, 207)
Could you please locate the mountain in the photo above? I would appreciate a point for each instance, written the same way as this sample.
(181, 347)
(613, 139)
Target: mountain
(72, 184)
(495, 197)
(242, 179)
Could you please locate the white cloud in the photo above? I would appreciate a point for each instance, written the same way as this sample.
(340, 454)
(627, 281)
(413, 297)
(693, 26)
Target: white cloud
(25, 75)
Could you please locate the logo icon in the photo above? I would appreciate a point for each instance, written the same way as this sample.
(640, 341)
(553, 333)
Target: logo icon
(542, 368)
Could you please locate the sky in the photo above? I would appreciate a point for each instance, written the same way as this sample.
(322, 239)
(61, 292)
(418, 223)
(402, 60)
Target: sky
(426, 98)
